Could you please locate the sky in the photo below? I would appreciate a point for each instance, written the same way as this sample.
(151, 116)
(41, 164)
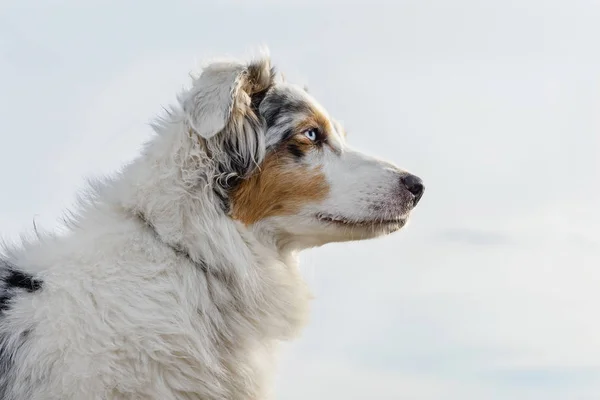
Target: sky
(491, 292)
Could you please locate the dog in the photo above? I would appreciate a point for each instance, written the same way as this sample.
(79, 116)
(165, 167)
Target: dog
(178, 276)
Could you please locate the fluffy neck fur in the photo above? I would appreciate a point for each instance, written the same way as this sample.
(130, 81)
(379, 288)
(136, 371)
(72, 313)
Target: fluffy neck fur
(172, 185)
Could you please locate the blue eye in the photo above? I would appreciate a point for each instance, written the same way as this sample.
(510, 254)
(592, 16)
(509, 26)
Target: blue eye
(311, 134)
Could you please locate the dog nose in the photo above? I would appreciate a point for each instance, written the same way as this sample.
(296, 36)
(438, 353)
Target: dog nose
(414, 184)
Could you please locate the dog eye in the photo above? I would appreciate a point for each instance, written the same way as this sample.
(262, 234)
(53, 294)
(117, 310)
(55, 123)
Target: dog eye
(312, 134)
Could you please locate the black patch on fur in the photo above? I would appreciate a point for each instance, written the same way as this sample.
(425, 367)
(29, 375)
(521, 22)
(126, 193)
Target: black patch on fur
(18, 279)
(12, 281)
(4, 302)
(295, 150)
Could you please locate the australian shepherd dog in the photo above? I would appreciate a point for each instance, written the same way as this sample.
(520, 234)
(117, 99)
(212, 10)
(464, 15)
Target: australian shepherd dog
(178, 276)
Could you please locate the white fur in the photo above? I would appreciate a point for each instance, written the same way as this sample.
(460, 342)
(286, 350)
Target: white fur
(209, 103)
(189, 306)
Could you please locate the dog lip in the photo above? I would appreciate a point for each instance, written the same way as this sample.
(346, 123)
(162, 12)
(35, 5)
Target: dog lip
(335, 219)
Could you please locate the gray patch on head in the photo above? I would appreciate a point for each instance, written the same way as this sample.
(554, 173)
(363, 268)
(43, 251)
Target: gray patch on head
(281, 108)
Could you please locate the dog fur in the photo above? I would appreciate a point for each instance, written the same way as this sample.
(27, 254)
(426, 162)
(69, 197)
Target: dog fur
(178, 276)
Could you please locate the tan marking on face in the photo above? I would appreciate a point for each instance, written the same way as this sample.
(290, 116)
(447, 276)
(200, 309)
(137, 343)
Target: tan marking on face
(301, 142)
(316, 119)
(279, 187)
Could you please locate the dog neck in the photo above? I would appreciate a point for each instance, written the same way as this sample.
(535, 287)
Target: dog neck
(168, 190)
(171, 189)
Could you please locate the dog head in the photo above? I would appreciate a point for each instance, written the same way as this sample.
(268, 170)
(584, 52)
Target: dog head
(285, 164)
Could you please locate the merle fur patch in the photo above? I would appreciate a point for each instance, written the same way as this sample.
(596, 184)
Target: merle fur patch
(278, 104)
(12, 281)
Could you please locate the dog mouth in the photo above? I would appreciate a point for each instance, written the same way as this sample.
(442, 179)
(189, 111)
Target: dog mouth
(374, 222)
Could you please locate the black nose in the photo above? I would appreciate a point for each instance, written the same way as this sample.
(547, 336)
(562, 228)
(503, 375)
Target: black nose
(414, 184)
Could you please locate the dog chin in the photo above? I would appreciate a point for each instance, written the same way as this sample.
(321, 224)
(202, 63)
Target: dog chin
(358, 229)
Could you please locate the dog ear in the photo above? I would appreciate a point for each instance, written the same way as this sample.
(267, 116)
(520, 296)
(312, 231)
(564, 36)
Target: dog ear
(224, 91)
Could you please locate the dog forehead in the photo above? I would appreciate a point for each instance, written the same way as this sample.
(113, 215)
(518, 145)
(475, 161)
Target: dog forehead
(286, 98)
(287, 106)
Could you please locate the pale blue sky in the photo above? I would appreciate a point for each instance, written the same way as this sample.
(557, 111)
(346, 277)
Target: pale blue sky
(492, 292)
